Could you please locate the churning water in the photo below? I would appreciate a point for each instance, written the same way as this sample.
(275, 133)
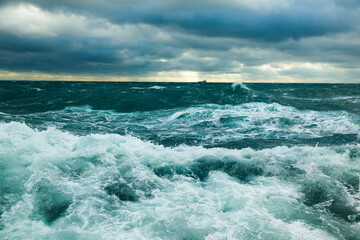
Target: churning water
(179, 161)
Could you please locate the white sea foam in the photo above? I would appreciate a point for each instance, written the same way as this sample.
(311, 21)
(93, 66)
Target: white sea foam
(137, 88)
(239, 85)
(38, 89)
(265, 121)
(157, 87)
(352, 99)
(212, 124)
(269, 206)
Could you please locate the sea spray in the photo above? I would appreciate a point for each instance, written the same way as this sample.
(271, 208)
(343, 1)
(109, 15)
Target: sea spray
(238, 84)
(116, 176)
(214, 164)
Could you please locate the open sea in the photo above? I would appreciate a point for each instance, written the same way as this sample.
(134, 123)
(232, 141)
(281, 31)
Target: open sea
(96, 160)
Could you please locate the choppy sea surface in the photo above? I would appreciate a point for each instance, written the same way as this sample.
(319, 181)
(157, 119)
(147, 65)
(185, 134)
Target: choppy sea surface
(179, 161)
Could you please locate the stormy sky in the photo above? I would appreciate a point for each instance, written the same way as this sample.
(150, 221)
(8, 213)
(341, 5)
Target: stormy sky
(161, 40)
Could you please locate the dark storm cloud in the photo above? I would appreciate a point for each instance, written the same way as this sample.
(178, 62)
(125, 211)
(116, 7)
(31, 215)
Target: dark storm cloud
(130, 38)
(209, 18)
(260, 26)
(61, 55)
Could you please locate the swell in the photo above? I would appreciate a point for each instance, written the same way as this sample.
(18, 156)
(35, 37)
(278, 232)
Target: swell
(255, 125)
(104, 186)
(23, 98)
(33, 97)
(138, 160)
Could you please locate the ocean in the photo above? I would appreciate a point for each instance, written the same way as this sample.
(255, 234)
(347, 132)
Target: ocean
(101, 160)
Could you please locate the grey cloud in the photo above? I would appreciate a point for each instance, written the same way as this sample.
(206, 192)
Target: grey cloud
(209, 18)
(138, 38)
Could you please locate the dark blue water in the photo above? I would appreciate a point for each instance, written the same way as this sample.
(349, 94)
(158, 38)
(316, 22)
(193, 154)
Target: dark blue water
(86, 160)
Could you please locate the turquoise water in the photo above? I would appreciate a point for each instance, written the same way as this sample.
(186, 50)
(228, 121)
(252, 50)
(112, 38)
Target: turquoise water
(179, 161)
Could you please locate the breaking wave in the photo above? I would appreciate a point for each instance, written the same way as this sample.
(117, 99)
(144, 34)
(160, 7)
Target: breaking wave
(111, 186)
(179, 161)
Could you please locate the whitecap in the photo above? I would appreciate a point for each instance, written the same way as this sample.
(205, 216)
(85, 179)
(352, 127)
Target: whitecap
(157, 87)
(223, 204)
(239, 84)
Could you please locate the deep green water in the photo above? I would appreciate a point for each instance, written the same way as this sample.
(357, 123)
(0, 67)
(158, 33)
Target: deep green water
(179, 161)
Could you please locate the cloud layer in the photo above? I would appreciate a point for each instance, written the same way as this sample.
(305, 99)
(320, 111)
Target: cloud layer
(257, 40)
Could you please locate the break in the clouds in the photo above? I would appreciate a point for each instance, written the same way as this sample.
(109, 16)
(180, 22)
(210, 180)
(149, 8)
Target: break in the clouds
(249, 40)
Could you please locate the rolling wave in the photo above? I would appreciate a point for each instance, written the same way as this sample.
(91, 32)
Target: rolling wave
(179, 161)
(106, 186)
(255, 125)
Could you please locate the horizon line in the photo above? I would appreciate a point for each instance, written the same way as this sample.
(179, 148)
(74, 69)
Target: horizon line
(201, 81)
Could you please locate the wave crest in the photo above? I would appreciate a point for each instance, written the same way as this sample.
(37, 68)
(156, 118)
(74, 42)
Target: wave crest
(115, 185)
